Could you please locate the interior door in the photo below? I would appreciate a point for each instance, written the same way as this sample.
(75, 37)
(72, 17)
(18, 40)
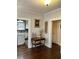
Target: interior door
(56, 32)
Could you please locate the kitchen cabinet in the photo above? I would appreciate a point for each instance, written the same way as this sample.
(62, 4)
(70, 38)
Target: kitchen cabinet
(21, 38)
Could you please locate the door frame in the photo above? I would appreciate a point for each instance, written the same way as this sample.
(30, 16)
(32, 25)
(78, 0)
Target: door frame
(29, 30)
(57, 30)
(50, 32)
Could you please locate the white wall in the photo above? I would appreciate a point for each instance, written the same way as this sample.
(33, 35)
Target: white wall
(54, 15)
(59, 34)
(50, 16)
(27, 14)
(23, 13)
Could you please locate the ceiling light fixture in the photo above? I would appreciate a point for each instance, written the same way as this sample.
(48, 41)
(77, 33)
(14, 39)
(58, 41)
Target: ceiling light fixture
(47, 2)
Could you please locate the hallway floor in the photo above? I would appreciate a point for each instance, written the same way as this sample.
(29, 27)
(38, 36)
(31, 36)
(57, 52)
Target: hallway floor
(38, 53)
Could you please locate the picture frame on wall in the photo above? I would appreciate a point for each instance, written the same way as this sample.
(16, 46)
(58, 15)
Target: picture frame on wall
(37, 21)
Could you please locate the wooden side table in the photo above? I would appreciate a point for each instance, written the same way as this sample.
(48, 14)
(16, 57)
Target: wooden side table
(38, 41)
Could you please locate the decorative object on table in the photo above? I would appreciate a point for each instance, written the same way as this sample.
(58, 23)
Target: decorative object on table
(41, 32)
(37, 22)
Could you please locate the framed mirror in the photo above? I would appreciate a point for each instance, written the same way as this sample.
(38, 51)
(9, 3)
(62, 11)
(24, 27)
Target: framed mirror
(46, 27)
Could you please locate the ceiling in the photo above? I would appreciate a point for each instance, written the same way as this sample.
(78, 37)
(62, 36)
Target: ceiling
(38, 5)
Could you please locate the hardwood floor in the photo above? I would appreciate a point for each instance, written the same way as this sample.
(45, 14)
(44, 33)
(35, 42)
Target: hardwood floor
(38, 53)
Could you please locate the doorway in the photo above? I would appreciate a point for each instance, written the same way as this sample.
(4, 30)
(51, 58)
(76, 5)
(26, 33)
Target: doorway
(56, 32)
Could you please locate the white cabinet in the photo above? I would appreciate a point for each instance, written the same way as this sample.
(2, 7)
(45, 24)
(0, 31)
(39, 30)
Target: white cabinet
(22, 33)
(20, 25)
(20, 38)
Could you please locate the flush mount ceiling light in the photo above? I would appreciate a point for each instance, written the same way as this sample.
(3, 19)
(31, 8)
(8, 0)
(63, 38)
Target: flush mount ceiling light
(47, 2)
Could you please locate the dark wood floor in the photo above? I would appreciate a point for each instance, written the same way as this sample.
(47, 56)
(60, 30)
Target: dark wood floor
(38, 53)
